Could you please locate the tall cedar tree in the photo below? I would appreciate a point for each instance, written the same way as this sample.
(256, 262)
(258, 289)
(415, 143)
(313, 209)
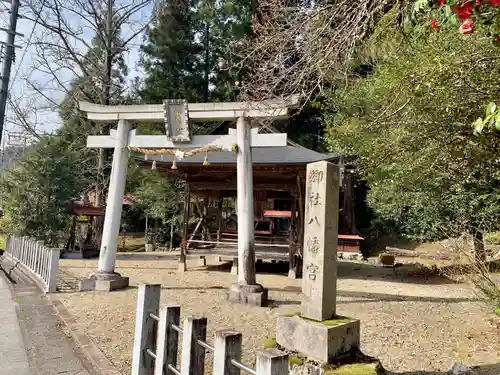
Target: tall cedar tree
(170, 55)
(188, 51)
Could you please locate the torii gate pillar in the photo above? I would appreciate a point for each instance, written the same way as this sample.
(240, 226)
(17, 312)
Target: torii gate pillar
(176, 115)
(246, 290)
(106, 279)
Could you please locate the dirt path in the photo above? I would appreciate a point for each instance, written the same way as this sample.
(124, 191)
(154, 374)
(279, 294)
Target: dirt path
(410, 321)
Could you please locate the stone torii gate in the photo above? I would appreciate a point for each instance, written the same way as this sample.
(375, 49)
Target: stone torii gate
(177, 116)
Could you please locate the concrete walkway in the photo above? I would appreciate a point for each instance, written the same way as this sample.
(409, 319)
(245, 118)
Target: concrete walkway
(13, 358)
(31, 339)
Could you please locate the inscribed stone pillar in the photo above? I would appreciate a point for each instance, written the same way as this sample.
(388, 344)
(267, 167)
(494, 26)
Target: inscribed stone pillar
(319, 282)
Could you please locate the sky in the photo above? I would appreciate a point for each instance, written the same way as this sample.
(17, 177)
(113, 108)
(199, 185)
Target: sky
(47, 119)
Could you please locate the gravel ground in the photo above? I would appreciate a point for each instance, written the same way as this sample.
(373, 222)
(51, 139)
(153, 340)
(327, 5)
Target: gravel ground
(411, 321)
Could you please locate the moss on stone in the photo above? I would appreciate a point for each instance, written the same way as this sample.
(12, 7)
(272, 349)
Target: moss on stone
(292, 314)
(270, 343)
(295, 360)
(497, 311)
(353, 369)
(336, 322)
(332, 322)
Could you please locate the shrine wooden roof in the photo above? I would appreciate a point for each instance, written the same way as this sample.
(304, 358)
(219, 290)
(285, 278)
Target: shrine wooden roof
(274, 168)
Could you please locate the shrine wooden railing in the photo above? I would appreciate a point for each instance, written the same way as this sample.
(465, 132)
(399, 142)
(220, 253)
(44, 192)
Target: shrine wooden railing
(158, 335)
(41, 262)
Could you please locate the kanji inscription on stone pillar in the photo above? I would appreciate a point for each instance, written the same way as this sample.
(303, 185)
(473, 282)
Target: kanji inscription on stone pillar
(319, 282)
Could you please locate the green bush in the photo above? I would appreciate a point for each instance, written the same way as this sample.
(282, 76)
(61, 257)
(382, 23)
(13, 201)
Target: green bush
(6, 225)
(492, 238)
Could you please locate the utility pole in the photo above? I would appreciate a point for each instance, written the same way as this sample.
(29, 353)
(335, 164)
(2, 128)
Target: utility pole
(9, 58)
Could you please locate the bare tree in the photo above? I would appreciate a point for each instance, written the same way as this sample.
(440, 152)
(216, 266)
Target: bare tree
(84, 39)
(298, 45)
(80, 47)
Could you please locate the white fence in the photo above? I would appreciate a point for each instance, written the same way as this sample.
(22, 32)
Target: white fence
(40, 261)
(157, 338)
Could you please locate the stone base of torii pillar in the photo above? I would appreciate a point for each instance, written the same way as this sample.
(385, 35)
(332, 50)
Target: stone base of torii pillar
(104, 282)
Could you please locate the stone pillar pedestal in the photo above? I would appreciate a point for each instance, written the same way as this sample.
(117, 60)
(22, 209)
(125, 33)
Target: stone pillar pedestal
(321, 341)
(249, 294)
(104, 281)
(234, 267)
(201, 262)
(182, 266)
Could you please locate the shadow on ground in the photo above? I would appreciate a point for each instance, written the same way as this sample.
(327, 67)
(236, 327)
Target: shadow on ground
(355, 297)
(362, 297)
(407, 273)
(493, 369)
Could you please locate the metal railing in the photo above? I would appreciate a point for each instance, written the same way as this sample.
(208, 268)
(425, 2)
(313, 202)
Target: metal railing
(157, 337)
(40, 261)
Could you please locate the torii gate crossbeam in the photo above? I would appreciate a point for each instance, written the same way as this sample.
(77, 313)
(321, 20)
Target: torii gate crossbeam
(177, 114)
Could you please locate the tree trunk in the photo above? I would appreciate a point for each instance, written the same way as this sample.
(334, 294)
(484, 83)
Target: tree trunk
(101, 191)
(70, 244)
(171, 245)
(479, 251)
(207, 63)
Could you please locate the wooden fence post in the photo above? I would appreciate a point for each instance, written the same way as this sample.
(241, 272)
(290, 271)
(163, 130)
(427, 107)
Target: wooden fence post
(227, 346)
(168, 339)
(148, 302)
(29, 251)
(8, 244)
(45, 263)
(17, 244)
(51, 281)
(24, 247)
(24, 244)
(272, 362)
(193, 355)
(39, 258)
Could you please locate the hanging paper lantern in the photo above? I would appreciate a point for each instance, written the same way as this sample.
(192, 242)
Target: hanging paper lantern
(153, 166)
(206, 162)
(174, 164)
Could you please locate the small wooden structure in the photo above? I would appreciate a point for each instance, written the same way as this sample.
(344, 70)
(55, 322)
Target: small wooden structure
(83, 214)
(279, 197)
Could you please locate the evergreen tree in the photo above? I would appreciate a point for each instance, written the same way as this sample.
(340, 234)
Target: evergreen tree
(170, 55)
(409, 124)
(221, 26)
(188, 50)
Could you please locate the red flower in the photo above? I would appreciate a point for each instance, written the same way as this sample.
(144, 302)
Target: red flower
(478, 3)
(497, 39)
(465, 11)
(495, 3)
(467, 27)
(434, 24)
(441, 2)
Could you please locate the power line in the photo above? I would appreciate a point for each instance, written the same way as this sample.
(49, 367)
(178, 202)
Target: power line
(28, 43)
